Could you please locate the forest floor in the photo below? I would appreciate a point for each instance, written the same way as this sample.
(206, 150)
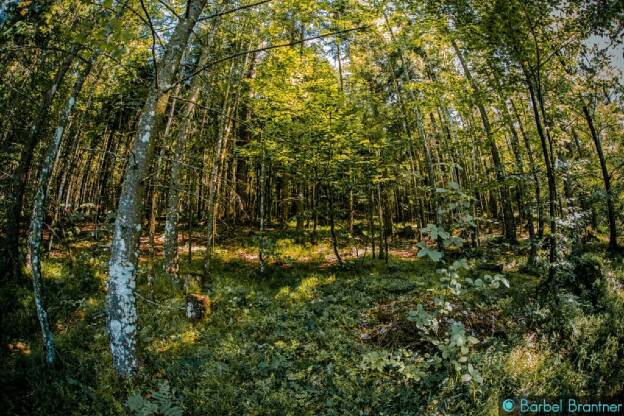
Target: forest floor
(310, 337)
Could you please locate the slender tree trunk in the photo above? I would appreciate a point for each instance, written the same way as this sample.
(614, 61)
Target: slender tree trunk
(262, 203)
(19, 180)
(613, 244)
(524, 209)
(315, 212)
(300, 207)
(552, 186)
(371, 221)
(37, 218)
(155, 196)
(173, 194)
(383, 226)
(215, 174)
(121, 303)
(508, 216)
(351, 213)
(285, 185)
(189, 229)
(534, 172)
(332, 228)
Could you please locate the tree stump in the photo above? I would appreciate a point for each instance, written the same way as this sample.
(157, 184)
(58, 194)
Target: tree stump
(197, 306)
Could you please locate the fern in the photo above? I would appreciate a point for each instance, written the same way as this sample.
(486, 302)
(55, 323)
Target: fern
(158, 402)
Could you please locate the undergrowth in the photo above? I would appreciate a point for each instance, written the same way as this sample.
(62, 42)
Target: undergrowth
(309, 337)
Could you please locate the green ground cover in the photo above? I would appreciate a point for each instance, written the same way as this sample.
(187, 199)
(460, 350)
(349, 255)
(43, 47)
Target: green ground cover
(310, 337)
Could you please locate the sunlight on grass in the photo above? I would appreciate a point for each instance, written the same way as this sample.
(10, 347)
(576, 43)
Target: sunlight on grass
(295, 330)
(52, 270)
(179, 338)
(306, 290)
(83, 245)
(539, 372)
(19, 347)
(524, 362)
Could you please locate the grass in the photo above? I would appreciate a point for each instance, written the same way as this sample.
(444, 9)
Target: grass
(294, 340)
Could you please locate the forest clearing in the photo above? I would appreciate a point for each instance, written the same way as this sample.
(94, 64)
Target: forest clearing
(337, 207)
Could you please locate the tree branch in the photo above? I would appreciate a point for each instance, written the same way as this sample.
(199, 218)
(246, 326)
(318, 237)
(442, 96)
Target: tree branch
(247, 6)
(151, 26)
(266, 48)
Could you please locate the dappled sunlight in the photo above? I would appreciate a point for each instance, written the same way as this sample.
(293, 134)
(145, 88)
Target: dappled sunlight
(19, 347)
(83, 245)
(176, 341)
(53, 270)
(309, 207)
(306, 290)
(297, 327)
(404, 253)
(525, 361)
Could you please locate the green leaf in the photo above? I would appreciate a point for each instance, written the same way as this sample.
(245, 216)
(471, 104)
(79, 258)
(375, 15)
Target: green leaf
(460, 264)
(135, 402)
(434, 255)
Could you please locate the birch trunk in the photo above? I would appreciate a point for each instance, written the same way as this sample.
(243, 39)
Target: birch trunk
(36, 227)
(120, 300)
(19, 178)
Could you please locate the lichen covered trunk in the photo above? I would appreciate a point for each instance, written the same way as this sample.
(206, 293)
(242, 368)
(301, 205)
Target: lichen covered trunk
(38, 213)
(120, 301)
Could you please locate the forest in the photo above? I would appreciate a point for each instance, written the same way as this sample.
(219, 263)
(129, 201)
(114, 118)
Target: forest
(315, 207)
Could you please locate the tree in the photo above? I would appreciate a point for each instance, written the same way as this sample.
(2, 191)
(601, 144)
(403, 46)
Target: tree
(120, 300)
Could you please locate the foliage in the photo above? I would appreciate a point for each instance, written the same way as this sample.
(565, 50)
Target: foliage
(306, 352)
(489, 131)
(161, 401)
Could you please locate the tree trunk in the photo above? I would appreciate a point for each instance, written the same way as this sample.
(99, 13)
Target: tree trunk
(120, 299)
(552, 186)
(300, 208)
(19, 179)
(534, 172)
(521, 190)
(371, 221)
(173, 194)
(613, 244)
(220, 151)
(37, 218)
(508, 216)
(332, 230)
(285, 185)
(262, 187)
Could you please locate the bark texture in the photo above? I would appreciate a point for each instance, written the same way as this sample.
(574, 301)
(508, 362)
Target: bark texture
(120, 301)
